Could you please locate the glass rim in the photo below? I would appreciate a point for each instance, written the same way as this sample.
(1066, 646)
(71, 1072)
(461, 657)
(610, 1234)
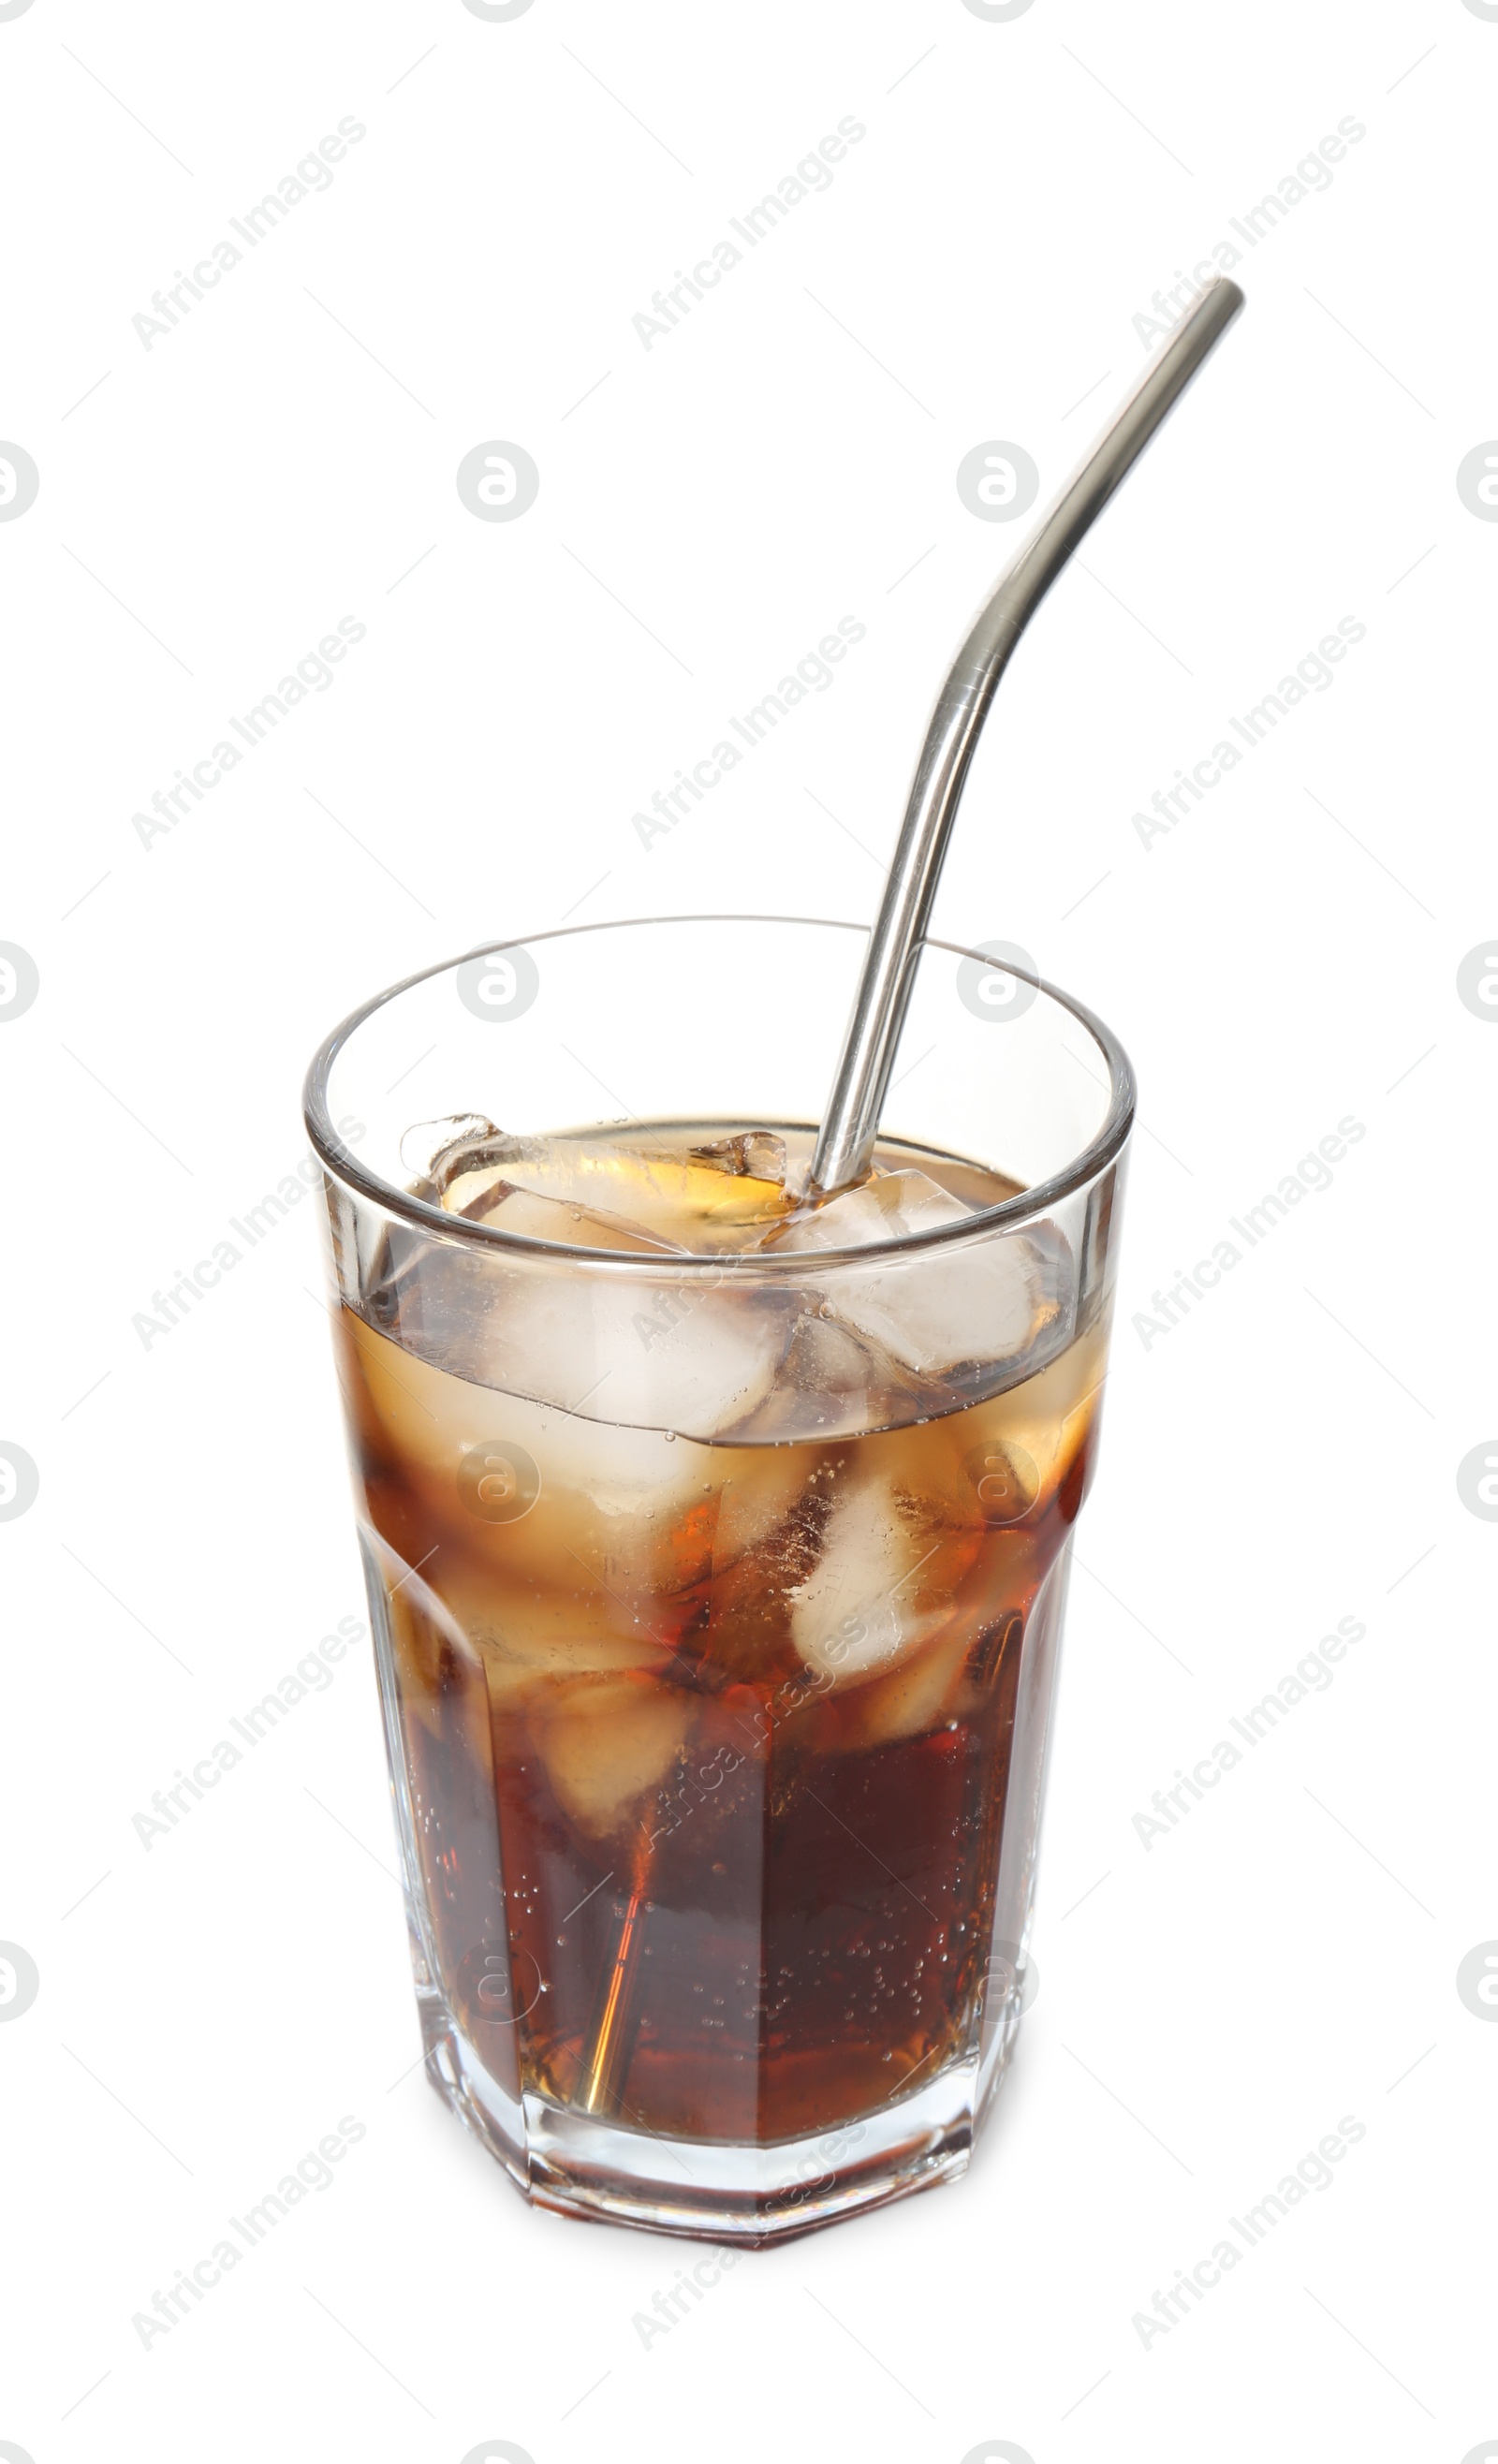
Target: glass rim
(1101, 1150)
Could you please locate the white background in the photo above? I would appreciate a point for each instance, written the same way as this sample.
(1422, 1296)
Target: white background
(1211, 2006)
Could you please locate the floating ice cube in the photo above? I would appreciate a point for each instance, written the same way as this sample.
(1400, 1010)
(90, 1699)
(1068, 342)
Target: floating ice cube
(834, 1382)
(605, 1742)
(990, 1302)
(530, 1641)
(690, 1356)
(890, 1206)
(719, 1194)
(508, 1209)
(921, 1692)
(616, 1514)
(860, 1608)
(426, 1146)
(570, 1627)
(655, 1354)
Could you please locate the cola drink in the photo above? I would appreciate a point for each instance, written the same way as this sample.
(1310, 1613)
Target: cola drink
(710, 1735)
(716, 1539)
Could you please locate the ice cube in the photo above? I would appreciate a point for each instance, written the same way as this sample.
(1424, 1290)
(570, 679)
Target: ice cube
(692, 1355)
(992, 1301)
(607, 1742)
(530, 1637)
(508, 1209)
(655, 1354)
(427, 1145)
(864, 1606)
(519, 1678)
(615, 1513)
(719, 1194)
(757, 1154)
(890, 1206)
(834, 1382)
(921, 1692)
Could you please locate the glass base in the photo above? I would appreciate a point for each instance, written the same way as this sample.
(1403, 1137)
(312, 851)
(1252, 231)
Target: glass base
(712, 2190)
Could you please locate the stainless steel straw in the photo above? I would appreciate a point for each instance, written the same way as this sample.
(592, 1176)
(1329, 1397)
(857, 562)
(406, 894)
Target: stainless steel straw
(851, 1123)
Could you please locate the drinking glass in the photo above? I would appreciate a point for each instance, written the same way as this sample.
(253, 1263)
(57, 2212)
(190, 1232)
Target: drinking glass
(716, 1596)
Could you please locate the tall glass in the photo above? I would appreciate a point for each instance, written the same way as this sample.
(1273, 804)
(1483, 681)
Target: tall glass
(717, 1662)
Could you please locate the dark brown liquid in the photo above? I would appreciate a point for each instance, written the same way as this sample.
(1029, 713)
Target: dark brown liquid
(684, 1865)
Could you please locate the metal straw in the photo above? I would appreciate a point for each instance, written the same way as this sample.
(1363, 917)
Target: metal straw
(851, 1123)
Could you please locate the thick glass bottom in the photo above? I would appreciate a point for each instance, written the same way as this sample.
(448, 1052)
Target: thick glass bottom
(712, 2190)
